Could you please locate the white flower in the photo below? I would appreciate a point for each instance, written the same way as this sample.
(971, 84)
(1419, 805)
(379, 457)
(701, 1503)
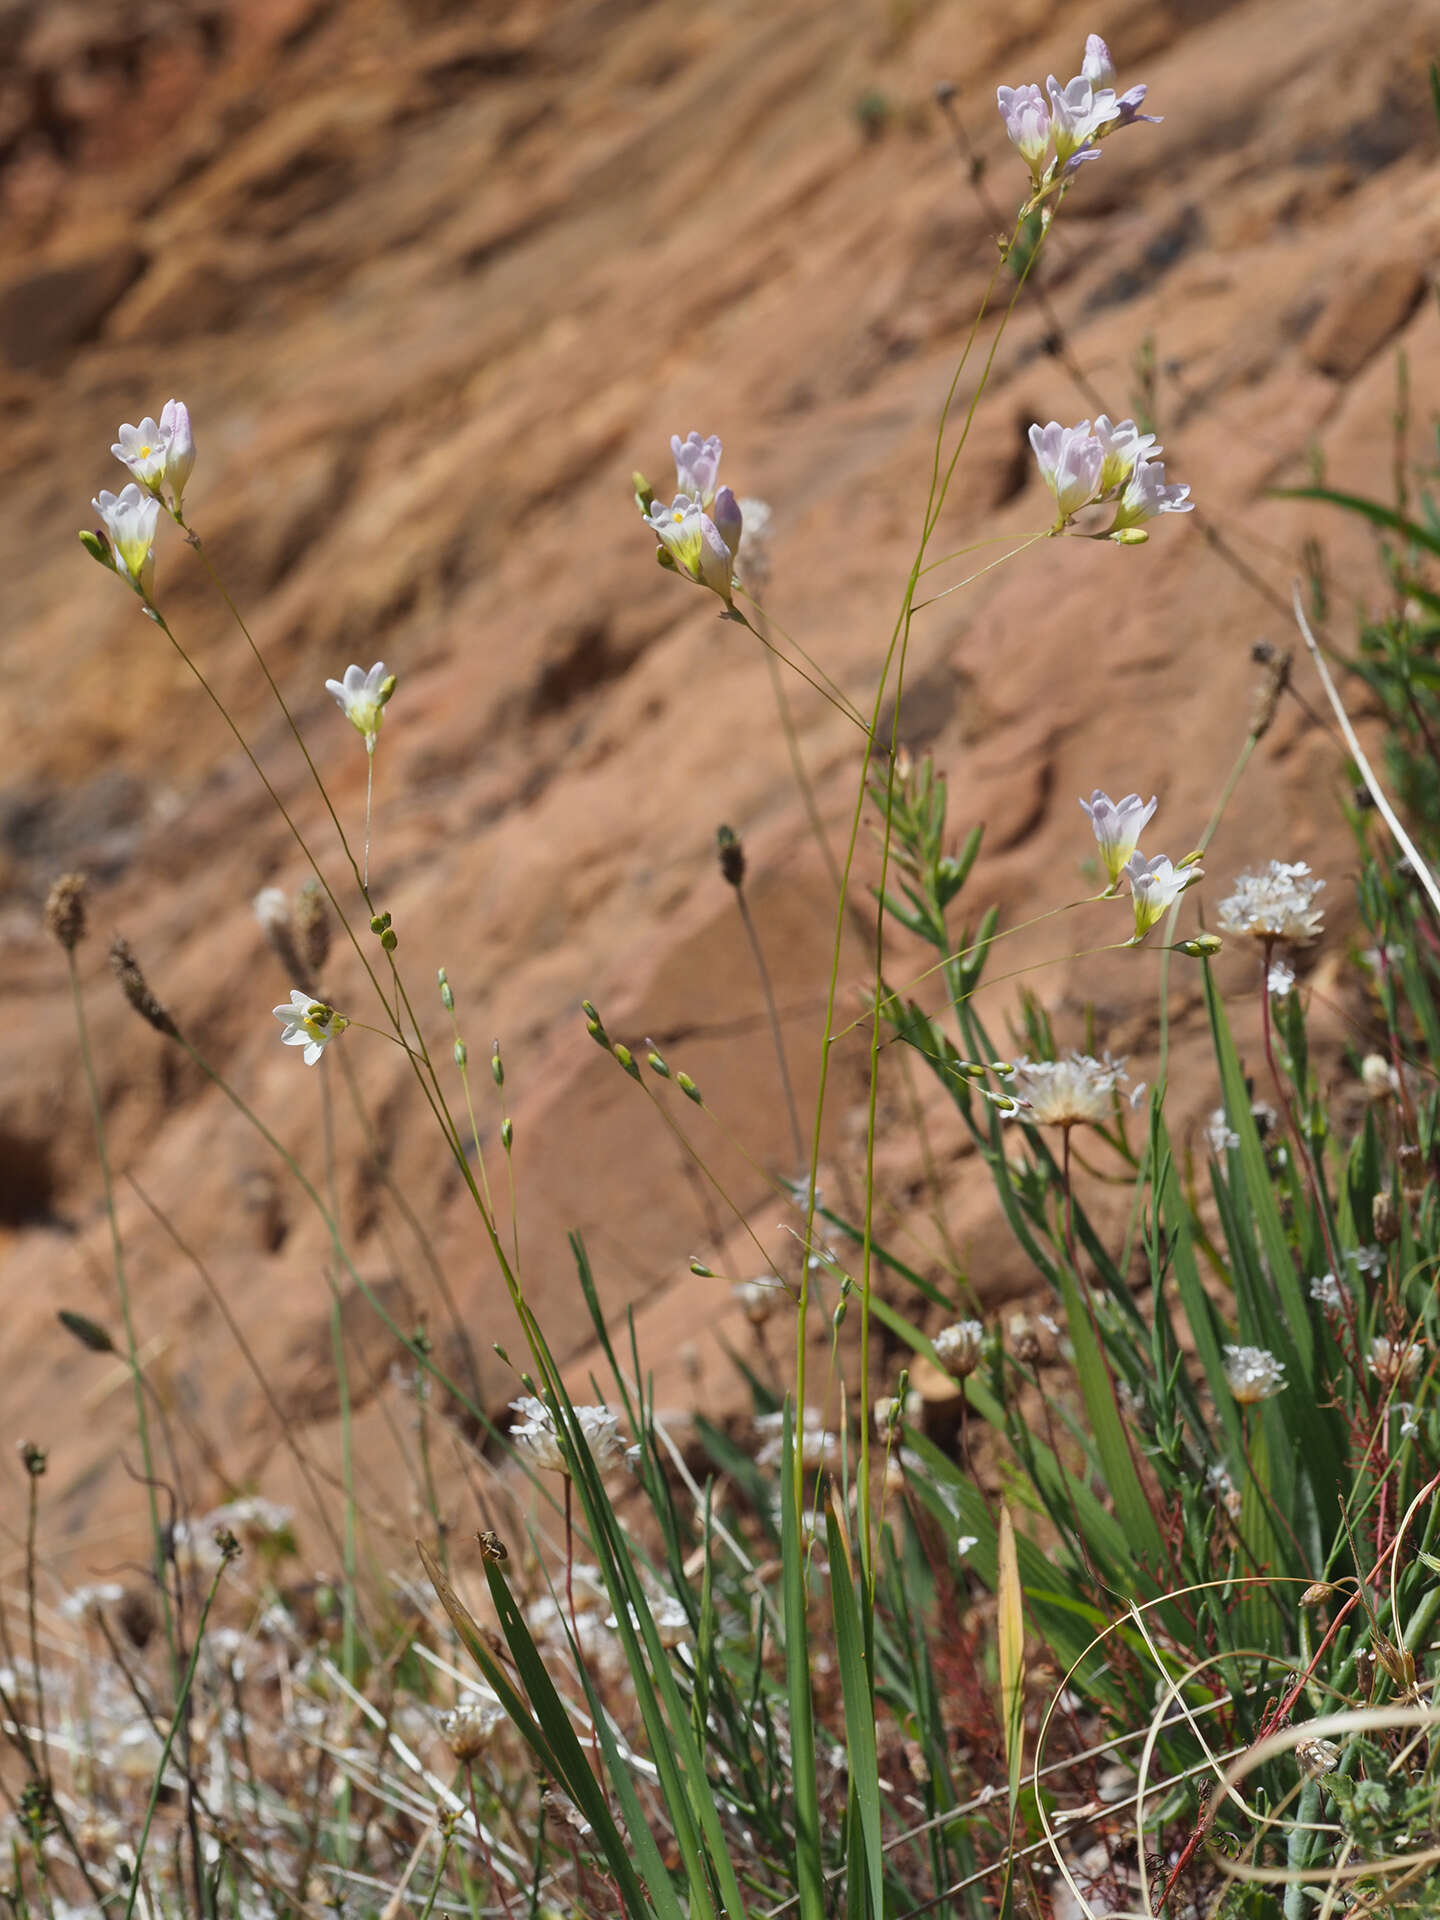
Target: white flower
(1280, 979)
(1325, 1289)
(697, 463)
(362, 698)
(1155, 886)
(957, 1347)
(159, 451)
(1278, 904)
(1147, 495)
(130, 517)
(966, 1543)
(142, 450)
(1077, 113)
(1368, 1260)
(672, 1622)
(1254, 1374)
(468, 1727)
(700, 545)
(1066, 1093)
(309, 1023)
(534, 1434)
(1118, 826)
(1378, 1076)
(1070, 461)
(1220, 1134)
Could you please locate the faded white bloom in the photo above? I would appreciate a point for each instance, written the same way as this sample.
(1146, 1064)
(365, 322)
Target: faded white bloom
(1378, 1076)
(1394, 1363)
(1155, 886)
(309, 1023)
(1276, 904)
(362, 698)
(1254, 1374)
(958, 1347)
(535, 1435)
(1368, 1260)
(1118, 826)
(1325, 1290)
(468, 1727)
(130, 518)
(1076, 1091)
(697, 462)
(817, 1447)
(1280, 979)
(672, 1622)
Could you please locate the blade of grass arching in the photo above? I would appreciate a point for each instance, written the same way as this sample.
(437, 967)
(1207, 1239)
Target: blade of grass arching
(1373, 510)
(1258, 1191)
(858, 1693)
(547, 1731)
(809, 1874)
(1010, 1627)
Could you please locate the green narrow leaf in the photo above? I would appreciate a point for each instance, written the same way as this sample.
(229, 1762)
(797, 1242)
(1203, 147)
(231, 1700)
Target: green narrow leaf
(1372, 510)
(809, 1878)
(858, 1692)
(1011, 1627)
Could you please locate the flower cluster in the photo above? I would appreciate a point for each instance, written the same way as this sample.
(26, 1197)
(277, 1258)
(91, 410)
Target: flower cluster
(1096, 461)
(535, 1435)
(1076, 1091)
(958, 1347)
(160, 454)
(1155, 884)
(1253, 1374)
(699, 532)
(1057, 129)
(1276, 904)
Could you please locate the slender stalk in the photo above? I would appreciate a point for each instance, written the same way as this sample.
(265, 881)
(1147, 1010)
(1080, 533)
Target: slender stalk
(797, 1142)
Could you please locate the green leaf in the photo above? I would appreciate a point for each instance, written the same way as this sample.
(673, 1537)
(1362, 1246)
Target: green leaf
(809, 1878)
(1372, 510)
(857, 1690)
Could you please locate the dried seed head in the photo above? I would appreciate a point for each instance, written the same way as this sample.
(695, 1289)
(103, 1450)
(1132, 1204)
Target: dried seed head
(1385, 1219)
(1316, 1593)
(272, 910)
(312, 926)
(65, 911)
(126, 969)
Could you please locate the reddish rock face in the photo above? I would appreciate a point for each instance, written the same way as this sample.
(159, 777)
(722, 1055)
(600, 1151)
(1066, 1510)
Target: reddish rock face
(433, 279)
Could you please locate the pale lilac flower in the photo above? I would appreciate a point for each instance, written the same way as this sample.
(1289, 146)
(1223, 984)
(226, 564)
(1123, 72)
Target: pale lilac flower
(1070, 460)
(694, 543)
(179, 447)
(1155, 886)
(362, 696)
(130, 519)
(1280, 979)
(1146, 495)
(1075, 1091)
(957, 1347)
(1124, 448)
(1253, 1374)
(1278, 904)
(1097, 67)
(1077, 113)
(535, 1434)
(309, 1023)
(697, 462)
(1118, 826)
(1026, 114)
(1325, 1291)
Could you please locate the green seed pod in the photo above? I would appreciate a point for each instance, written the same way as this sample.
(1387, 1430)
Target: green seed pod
(507, 1132)
(688, 1087)
(657, 1065)
(389, 940)
(497, 1071)
(699, 1266)
(462, 1054)
(1202, 947)
(447, 998)
(626, 1060)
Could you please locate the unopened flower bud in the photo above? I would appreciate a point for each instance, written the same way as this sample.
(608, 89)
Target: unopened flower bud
(65, 911)
(1130, 536)
(497, 1067)
(1193, 858)
(657, 1064)
(88, 1332)
(461, 1053)
(688, 1087)
(507, 1132)
(33, 1458)
(1204, 946)
(1316, 1593)
(379, 922)
(837, 1319)
(447, 997)
(627, 1060)
(698, 1266)
(644, 492)
(389, 939)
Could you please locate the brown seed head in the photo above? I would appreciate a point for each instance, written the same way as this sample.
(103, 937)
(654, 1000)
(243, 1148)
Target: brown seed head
(312, 926)
(65, 911)
(126, 969)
